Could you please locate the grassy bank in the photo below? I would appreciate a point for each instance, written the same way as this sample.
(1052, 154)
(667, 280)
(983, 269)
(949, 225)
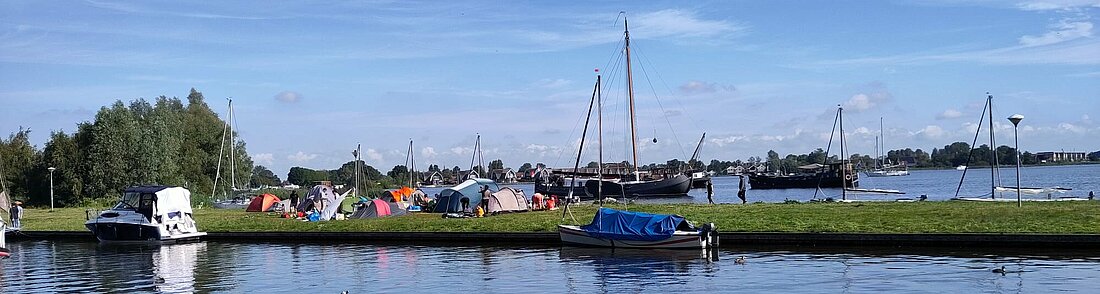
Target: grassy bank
(1076, 217)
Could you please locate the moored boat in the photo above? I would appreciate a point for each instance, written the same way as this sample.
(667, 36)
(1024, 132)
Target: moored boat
(627, 229)
(147, 213)
(809, 176)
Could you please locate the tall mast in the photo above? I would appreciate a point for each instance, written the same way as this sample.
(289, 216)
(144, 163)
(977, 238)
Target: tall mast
(411, 162)
(994, 169)
(232, 150)
(599, 140)
(843, 164)
(630, 92)
(221, 149)
(882, 149)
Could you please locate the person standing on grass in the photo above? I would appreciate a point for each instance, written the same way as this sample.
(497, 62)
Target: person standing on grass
(741, 190)
(16, 215)
(710, 191)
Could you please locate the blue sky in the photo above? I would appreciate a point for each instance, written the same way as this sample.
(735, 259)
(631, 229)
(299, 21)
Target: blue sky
(312, 78)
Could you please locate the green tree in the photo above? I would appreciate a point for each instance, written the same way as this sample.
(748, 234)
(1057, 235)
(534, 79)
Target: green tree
(17, 161)
(62, 153)
(524, 168)
(496, 164)
(261, 176)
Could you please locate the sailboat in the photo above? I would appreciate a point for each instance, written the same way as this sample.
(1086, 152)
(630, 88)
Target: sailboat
(883, 168)
(838, 174)
(237, 201)
(628, 229)
(633, 186)
(995, 184)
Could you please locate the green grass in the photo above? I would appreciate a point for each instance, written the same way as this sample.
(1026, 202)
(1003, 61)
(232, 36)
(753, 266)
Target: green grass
(1076, 217)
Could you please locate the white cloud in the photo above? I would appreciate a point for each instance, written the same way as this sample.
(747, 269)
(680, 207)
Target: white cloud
(288, 97)
(949, 114)
(266, 159)
(462, 150)
(679, 23)
(373, 156)
(301, 157)
(931, 132)
(728, 140)
(428, 152)
(553, 83)
(1061, 32)
(1072, 128)
(700, 87)
(1057, 4)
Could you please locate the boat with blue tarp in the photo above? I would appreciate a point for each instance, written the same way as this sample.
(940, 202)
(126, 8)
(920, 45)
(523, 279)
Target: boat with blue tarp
(629, 229)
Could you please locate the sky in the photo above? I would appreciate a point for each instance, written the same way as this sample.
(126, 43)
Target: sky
(311, 79)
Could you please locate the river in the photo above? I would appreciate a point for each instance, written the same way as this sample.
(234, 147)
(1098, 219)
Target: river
(937, 185)
(76, 266)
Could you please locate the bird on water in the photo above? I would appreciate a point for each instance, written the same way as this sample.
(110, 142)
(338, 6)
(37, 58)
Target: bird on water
(739, 260)
(999, 270)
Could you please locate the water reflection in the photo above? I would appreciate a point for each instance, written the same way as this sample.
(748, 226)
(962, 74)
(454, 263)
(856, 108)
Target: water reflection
(48, 266)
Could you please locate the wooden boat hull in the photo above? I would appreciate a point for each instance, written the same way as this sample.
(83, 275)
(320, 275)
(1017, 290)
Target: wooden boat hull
(674, 186)
(758, 181)
(575, 236)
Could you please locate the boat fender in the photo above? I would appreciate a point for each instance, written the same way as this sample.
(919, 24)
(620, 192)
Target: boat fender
(848, 177)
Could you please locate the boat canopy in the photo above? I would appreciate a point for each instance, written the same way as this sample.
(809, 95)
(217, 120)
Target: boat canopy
(169, 199)
(634, 226)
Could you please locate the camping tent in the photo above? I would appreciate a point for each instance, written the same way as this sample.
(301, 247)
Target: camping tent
(378, 208)
(508, 200)
(348, 205)
(450, 199)
(318, 194)
(264, 202)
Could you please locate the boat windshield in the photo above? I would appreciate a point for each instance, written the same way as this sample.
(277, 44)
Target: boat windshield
(130, 200)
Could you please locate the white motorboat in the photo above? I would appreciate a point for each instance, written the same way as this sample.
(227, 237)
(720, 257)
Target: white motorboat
(147, 213)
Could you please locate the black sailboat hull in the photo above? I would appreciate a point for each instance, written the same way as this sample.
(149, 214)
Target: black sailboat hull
(560, 191)
(758, 181)
(674, 186)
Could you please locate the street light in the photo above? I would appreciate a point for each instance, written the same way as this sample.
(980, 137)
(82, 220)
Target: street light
(51, 187)
(1015, 119)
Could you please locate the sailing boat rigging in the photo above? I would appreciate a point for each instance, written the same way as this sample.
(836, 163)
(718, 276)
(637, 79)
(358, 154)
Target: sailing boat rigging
(229, 138)
(994, 170)
(634, 185)
(883, 167)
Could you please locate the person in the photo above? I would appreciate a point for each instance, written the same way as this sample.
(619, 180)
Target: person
(1091, 196)
(485, 194)
(465, 201)
(16, 214)
(710, 192)
(741, 190)
(293, 201)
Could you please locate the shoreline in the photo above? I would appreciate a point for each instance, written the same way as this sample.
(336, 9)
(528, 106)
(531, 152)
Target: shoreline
(728, 239)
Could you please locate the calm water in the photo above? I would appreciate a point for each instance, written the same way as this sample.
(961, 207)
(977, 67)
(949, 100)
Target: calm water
(936, 184)
(48, 266)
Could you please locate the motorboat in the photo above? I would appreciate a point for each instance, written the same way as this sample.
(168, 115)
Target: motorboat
(627, 229)
(147, 213)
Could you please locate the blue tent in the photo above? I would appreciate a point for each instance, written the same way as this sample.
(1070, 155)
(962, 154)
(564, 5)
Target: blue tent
(450, 200)
(634, 226)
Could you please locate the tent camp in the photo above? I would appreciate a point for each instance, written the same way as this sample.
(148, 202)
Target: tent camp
(318, 194)
(450, 199)
(265, 202)
(508, 200)
(378, 208)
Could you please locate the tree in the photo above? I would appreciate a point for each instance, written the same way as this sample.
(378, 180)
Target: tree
(18, 163)
(261, 176)
(1095, 156)
(525, 167)
(592, 164)
(496, 165)
(400, 173)
(62, 153)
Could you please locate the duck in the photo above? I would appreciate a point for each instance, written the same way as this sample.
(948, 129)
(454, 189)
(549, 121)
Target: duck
(999, 270)
(739, 260)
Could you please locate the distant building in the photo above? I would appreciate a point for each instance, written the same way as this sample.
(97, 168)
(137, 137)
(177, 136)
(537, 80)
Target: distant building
(1061, 156)
(735, 170)
(505, 175)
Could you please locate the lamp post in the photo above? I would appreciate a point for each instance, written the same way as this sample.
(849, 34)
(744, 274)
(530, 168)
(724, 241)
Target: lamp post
(51, 187)
(1015, 119)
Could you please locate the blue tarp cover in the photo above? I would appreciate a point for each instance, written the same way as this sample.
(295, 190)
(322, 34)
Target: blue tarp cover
(634, 226)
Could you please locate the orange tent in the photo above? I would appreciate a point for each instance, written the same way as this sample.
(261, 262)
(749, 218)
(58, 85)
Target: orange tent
(262, 203)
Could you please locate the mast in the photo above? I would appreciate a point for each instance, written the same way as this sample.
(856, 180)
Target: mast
(882, 150)
(221, 149)
(599, 140)
(411, 162)
(695, 155)
(356, 152)
(232, 151)
(995, 169)
(843, 165)
(630, 92)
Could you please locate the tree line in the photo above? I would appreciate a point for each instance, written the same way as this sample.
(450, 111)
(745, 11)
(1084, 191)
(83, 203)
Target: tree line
(166, 141)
